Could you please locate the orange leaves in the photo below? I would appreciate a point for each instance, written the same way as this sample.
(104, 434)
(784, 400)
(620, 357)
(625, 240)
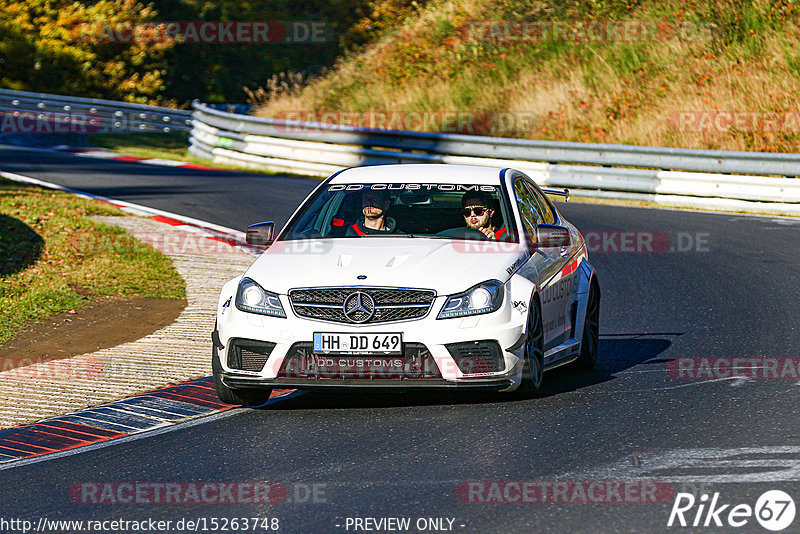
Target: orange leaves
(58, 38)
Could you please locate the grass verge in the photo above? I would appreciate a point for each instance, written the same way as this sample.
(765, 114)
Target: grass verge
(174, 145)
(54, 257)
(171, 146)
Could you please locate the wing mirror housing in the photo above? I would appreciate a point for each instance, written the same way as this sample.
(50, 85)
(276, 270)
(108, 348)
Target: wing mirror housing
(261, 234)
(551, 235)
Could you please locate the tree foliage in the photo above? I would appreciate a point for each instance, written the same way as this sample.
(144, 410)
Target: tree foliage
(57, 46)
(48, 45)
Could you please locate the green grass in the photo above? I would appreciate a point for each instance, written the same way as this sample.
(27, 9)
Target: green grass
(173, 145)
(54, 257)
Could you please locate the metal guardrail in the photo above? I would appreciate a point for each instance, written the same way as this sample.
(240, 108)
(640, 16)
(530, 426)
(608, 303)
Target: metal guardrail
(25, 112)
(321, 149)
(718, 161)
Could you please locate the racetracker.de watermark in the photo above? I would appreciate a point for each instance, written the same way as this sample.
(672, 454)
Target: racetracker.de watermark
(645, 241)
(82, 367)
(207, 32)
(566, 492)
(726, 121)
(713, 368)
(186, 243)
(446, 121)
(605, 242)
(51, 122)
(582, 31)
(209, 493)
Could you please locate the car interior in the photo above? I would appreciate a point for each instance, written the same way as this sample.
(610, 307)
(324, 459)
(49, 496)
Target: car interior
(415, 213)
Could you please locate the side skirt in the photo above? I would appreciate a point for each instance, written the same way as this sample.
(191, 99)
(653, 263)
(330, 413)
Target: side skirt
(563, 354)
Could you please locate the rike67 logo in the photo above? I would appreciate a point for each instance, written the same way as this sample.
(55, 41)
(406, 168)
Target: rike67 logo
(774, 510)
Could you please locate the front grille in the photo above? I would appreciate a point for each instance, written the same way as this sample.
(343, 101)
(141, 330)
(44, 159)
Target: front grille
(390, 304)
(249, 355)
(416, 362)
(477, 357)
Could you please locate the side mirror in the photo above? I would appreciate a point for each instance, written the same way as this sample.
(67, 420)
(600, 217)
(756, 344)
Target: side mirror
(261, 234)
(550, 235)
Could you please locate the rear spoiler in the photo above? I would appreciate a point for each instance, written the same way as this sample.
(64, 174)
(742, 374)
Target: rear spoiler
(558, 192)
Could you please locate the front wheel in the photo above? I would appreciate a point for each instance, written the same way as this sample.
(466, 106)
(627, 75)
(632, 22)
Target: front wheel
(590, 342)
(533, 369)
(244, 397)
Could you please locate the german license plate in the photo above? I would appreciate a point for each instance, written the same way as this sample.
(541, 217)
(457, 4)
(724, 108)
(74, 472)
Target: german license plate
(338, 343)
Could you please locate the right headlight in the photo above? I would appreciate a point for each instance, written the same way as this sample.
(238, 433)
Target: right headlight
(485, 297)
(251, 297)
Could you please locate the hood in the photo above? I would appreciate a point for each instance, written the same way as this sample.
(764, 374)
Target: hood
(447, 266)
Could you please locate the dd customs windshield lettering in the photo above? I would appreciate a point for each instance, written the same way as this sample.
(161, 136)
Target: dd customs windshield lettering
(414, 187)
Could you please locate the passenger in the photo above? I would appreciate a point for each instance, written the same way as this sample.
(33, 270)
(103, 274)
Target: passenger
(478, 214)
(374, 206)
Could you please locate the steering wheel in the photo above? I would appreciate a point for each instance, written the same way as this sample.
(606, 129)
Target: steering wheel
(464, 233)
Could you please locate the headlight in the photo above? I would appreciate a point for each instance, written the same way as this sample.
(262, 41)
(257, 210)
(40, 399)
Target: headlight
(252, 298)
(485, 297)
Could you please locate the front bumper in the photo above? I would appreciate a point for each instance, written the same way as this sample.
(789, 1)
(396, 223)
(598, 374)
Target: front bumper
(238, 381)
(505, 327)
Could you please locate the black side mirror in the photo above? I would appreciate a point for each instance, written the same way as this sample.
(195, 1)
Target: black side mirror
(261, 234)
(551, 235)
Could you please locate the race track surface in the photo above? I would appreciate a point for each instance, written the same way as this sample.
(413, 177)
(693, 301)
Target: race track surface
(731, 293)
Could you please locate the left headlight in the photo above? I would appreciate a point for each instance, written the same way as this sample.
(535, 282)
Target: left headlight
(485, 297)
(251, 297)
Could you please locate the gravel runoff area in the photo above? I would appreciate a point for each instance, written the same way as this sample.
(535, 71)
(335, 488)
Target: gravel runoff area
(176, 353)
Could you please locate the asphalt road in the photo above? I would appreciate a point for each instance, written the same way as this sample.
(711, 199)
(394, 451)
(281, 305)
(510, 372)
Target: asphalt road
(732, 293)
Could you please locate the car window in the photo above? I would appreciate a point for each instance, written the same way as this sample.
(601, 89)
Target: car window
(528, 208)
(548, 216)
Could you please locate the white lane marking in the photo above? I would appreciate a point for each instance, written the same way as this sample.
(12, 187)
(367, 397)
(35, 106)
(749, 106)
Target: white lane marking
(637, 371)
(779, 463)
(667, 388)
(102, 154)
(164, 162)
(740, 381)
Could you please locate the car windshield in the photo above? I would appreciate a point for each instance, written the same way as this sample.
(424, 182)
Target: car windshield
(404, 210)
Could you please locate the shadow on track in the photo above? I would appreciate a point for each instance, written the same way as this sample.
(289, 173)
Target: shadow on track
(617, 353)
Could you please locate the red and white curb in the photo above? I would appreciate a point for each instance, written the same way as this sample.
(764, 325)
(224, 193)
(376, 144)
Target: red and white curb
(144, 413)
(215, 232)
(105, 154)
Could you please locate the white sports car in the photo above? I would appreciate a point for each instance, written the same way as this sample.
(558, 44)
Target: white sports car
(410, 276)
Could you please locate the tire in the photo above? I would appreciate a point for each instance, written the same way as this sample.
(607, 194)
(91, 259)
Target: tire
(243, 397)
(533, 370)
(590, 342)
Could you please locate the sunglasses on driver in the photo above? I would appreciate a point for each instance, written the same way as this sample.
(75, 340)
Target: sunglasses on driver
(477, 210)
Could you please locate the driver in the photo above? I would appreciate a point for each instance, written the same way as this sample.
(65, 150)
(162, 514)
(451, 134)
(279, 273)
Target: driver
(374, 205)
(478, 214)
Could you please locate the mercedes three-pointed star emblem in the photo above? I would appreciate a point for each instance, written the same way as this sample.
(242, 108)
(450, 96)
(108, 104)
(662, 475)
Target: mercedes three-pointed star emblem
(358, 307)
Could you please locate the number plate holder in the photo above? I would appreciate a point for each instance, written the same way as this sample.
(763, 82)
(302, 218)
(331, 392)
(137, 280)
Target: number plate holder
(361, 344)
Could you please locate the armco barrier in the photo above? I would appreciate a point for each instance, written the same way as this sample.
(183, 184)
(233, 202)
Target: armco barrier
(320, 149)
(39, 113)
(668, 175)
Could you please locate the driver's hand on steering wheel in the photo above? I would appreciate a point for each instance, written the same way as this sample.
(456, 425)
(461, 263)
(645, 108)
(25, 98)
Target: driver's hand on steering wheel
(488, 232)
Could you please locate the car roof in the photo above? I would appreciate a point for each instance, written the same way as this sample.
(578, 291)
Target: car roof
(420, 173)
